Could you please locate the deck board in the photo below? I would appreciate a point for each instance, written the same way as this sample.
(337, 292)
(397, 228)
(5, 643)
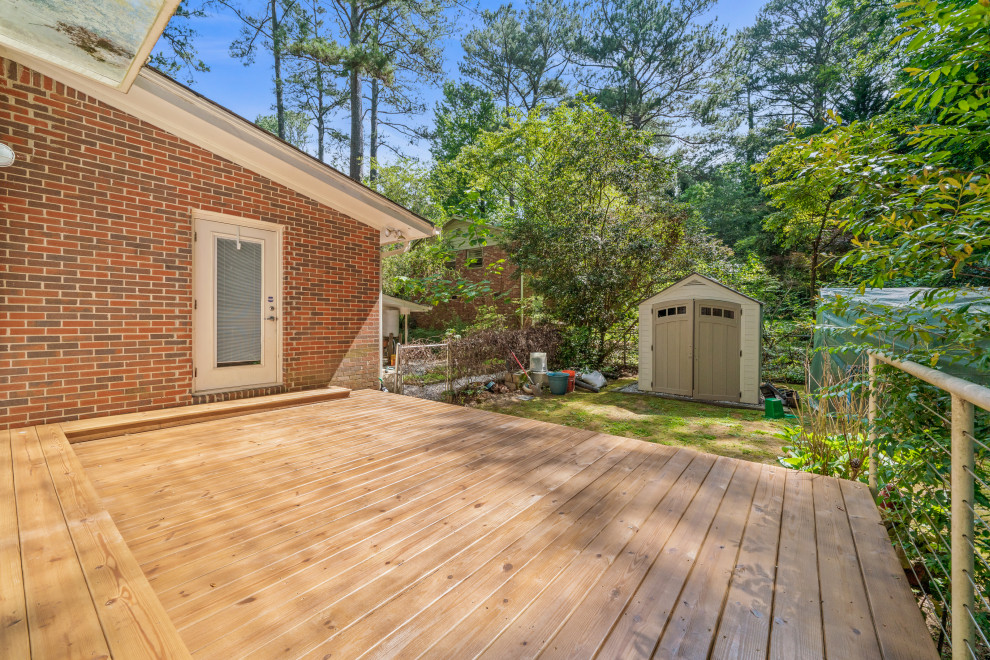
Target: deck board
(14, 641)
(59, 605)
(385, 526)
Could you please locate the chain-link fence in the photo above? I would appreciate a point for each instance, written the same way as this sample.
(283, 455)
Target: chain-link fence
(439, 371)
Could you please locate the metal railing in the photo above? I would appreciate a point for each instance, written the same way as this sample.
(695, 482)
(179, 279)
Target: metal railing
(964, 634)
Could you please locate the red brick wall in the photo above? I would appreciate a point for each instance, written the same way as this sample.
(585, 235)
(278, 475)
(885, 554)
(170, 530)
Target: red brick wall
(95, 259)
(504, 285)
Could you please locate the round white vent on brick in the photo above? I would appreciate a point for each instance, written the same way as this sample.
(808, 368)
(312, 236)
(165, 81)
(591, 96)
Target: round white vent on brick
(7, 156)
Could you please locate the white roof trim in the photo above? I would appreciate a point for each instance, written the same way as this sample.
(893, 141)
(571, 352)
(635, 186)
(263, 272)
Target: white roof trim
(403, 306)
(687, 280)
(161, 101)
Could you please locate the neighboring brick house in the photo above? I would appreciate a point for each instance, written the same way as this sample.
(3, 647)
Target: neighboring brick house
(157, 251)
(476, 263)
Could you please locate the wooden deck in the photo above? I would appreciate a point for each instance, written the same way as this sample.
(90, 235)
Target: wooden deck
(386, 526)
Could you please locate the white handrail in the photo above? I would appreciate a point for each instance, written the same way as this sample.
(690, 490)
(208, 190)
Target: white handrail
(975, 394)
(964, 396)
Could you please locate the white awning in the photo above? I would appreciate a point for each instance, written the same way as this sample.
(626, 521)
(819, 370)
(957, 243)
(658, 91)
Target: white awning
(404, 306)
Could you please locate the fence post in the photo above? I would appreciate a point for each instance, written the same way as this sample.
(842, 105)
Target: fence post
(871, 437)
(450, 385)
(398, 369)
(963, 639)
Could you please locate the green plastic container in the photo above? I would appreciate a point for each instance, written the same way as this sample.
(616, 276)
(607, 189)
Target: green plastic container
(558, 382)
(773, 408)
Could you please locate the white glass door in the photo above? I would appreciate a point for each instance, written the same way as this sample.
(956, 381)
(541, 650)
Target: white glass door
(236, 310)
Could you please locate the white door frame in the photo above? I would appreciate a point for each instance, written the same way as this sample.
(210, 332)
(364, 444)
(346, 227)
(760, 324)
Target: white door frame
(203, 348)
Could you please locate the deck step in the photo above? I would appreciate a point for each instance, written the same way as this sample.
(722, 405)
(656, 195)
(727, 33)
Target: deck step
(105, 427)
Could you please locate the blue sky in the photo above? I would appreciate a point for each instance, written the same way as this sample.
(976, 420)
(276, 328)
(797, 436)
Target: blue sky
(248, 90)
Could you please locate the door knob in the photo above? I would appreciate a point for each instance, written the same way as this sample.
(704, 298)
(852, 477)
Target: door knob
(272, 318)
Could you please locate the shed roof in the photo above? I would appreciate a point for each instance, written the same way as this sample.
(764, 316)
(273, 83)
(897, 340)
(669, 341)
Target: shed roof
(707, 279)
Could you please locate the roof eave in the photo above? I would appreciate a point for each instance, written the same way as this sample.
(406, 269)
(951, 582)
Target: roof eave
(165, 103)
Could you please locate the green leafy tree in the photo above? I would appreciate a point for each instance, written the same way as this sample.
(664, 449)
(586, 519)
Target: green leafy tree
(295, 126)
(591, 223)
(808, 200)
(358, 55)
(518, 57)
(800, 42)
(312, 86)
(411, 40)
(732, 207)
(819, 55)
(649, 62)
(270, 31)
(176, 52)
(460, 117)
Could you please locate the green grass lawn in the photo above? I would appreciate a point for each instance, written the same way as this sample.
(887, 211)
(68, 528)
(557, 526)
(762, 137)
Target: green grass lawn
(732, 432)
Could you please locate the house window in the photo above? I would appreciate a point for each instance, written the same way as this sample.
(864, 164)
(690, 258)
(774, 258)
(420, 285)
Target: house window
(473, 258)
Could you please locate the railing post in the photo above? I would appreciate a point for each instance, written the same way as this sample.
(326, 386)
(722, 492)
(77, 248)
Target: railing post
(871, 437)
(963, 638)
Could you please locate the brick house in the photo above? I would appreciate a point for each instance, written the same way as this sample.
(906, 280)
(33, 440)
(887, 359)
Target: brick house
(160, 251)
(476, 263)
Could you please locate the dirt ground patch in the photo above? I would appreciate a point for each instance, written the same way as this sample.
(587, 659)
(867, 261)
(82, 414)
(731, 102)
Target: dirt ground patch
(729, 432)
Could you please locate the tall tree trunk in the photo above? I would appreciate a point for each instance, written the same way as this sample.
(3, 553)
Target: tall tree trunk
(816, 246)
(321, 121)
(751, 124)
(357, 109)
(373, 134)
(277, 52)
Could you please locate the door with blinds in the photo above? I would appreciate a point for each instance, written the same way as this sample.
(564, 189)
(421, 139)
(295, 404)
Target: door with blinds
(236, 327)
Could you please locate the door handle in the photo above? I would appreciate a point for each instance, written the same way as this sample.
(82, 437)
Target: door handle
(272, 318)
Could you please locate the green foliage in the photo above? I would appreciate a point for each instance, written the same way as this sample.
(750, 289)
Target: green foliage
(581, 204)
(518, 57)
(915, 201)
(808, 198)
(832, 455)
(648, 61)
(406, 182)
(464, 113)
(296, 127)
(818, 54)
(731, 205)
(176, 52)
(914, 216)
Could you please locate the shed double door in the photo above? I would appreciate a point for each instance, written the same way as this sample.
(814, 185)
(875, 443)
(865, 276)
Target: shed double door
(696, 349)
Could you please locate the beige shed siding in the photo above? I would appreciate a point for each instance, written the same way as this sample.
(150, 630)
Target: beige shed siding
(645, 347)
(697, 287)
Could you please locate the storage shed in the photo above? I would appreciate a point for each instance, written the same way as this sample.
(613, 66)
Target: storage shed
(699, 338)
